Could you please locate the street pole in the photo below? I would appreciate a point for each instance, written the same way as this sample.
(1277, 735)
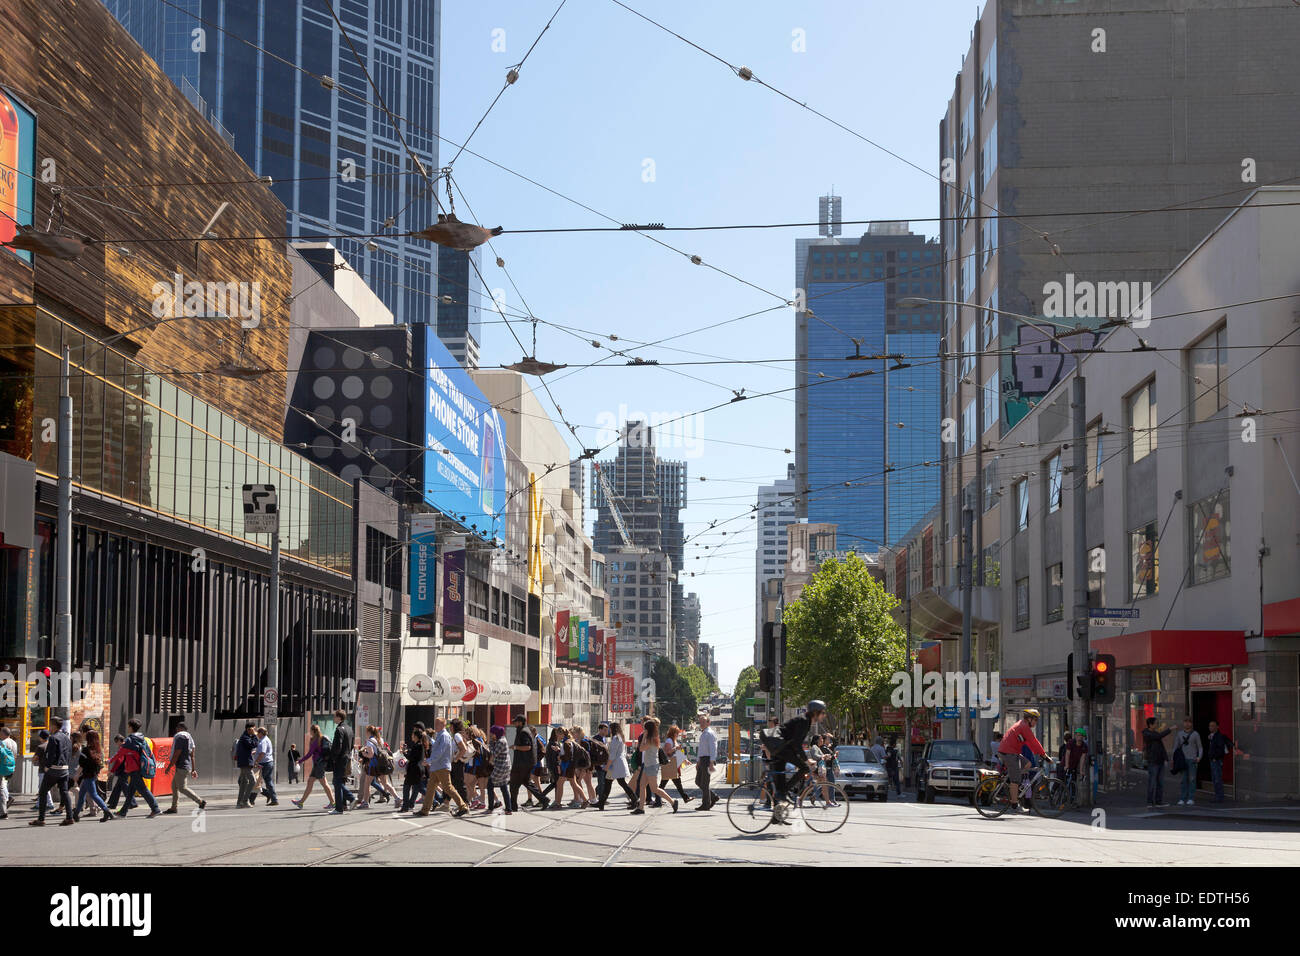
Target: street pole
(63, 549)
(273, 635)
(1080, 492)
(967, 583)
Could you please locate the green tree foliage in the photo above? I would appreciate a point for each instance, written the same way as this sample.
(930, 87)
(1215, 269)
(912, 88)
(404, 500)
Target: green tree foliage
(843, 645)
(675, 703)
(701, 682)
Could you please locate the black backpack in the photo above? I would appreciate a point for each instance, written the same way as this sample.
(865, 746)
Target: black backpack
(326, 753)
(599, 753)
(581, 758)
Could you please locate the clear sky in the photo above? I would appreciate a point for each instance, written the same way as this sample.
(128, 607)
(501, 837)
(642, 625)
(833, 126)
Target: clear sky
(602, 97)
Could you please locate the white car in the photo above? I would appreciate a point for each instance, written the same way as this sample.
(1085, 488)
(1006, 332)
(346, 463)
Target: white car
(861, 773)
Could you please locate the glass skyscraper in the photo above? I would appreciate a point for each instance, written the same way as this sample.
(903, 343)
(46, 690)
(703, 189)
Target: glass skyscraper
(862, 442)
(335, 160)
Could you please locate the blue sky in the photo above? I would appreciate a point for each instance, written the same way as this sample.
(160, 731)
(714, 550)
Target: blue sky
(602, 93)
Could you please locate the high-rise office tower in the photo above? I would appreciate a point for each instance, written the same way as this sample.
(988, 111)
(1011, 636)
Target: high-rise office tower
(335, 160)
(460, 310)
(862, 442)
(651, 494)
(1151, 109)
(775, 511)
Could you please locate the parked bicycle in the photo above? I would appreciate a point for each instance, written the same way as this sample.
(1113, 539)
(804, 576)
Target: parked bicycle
(1045, 793)
(753, 807)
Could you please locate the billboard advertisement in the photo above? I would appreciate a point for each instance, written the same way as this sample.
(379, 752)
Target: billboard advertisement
(424, 583)
(453, 597)
(583, 651)
(464, 466)
(596, 650)
(575, 635)
(17, 167)
(611, 653)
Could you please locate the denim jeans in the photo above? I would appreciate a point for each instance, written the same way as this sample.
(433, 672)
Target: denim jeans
(1187, 790)
(89, 792)
(1155, 783)
(268, 781)
(342, 795)
(1216, 774)
(135, 785)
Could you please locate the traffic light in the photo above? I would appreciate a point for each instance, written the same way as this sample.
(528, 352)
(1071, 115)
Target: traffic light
(765, 682)
(1069, 679)
(1103, 678)
(768, 657)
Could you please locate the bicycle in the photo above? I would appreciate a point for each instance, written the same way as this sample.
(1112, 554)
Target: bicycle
(1045, 793)
(753, 807)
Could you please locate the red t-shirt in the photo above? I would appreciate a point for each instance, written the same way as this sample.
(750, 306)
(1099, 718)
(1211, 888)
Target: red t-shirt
(1019, 736)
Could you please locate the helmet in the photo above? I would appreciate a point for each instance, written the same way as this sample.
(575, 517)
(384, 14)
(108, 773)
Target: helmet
(1032, 712)
(816, 705)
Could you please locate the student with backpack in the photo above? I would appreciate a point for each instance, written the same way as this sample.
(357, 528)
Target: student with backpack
(582, 766)
(8, 764)
(524, 757)
(139, 765)
(317, 753)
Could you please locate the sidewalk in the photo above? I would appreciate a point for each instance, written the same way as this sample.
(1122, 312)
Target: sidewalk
(1132, 801)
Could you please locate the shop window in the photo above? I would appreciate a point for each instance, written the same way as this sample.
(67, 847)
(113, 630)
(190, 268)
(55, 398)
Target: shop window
(1209, 538)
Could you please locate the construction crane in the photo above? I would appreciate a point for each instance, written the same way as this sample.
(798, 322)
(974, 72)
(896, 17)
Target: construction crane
(613, 508)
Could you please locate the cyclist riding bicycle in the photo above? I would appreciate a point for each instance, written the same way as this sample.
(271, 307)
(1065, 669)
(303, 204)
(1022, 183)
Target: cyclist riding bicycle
(787, 745)
(1019, 736)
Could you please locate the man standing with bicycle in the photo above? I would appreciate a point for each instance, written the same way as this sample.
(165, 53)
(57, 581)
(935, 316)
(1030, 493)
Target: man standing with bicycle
(1019, 736)
(787, 746)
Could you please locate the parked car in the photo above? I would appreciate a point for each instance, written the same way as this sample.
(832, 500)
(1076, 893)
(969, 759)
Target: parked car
(947, 767)
(861, 773)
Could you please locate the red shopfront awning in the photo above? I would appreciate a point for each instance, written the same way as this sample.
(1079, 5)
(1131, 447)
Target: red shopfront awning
(1282, 618)
(1174, 648)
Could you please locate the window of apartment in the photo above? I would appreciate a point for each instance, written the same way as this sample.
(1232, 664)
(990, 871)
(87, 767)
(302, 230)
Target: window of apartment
(1022, 504)
(518, 664)
(992, 391)
(1054, 483)
(1022, 604)
(1097, 576)
(988, 240)
(990, 485)
(989, 74)
(476, 599)
(968, 351)
(1209, 538)
(968, 426)
(518, 615)
(1144, 562)
(1142, 420)
(991, 319)
(1096, 454)
(967, 276)
(989, 159)
(992, 565)
(1208, 367)
(1055, 605)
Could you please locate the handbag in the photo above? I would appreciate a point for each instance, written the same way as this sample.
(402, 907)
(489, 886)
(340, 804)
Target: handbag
(1180, 761)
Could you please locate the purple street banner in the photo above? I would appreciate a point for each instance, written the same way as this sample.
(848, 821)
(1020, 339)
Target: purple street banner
(453, 597)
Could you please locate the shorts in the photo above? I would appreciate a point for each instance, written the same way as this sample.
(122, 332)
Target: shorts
(1013, 763)
(318, 770)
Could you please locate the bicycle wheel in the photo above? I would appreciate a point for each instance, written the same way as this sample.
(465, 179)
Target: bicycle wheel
(824, 807)
(749, 808)
(992, 798)
(1049, 797)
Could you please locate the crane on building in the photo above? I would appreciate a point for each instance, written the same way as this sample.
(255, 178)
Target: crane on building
(613, 506)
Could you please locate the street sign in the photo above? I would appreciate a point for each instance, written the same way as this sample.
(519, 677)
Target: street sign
(261, 510)
(366, 685)
(952, 713)
(270, 697)
(1112, 616)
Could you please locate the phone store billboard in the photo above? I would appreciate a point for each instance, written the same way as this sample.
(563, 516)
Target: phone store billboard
(464, 467)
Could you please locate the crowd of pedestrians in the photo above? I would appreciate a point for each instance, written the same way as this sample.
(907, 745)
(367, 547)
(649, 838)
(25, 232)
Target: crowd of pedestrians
(449, 765)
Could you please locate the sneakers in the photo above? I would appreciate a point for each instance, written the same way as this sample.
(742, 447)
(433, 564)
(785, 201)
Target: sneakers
(170, 810)
(1180, 803)
(298, 803)
(460, 811)
(153, 813)
(203, 804)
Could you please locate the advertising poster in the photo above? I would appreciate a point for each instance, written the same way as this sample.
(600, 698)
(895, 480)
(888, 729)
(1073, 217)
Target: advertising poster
(464, 466)
(453, 597)
(611, 654)
(575, 632)
(17, 167)
(583, 650)
(561, 636)
(424, 590)
(596, 650)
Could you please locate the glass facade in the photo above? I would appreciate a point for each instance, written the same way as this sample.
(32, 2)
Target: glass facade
(141, 440)
(335, 160)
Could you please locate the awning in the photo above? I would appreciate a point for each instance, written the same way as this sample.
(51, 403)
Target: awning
(1174, 648)
(936, 612)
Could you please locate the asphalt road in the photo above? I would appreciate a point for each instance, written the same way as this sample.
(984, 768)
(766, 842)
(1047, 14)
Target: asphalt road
(897, 833)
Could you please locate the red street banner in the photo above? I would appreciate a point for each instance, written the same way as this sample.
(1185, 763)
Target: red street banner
(596, 655)
(611, 653)
(561, 636)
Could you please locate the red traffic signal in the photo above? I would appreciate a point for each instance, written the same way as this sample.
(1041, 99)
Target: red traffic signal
(1103, 674)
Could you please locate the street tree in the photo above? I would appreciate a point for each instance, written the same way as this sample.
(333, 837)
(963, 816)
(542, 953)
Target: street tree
(701, 682)
(675, 703)
(842, 644)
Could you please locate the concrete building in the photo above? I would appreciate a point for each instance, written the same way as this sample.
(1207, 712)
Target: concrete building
(1192, 511)
(1042, 121)
(688, 638)
(775, 511)
(640, 604)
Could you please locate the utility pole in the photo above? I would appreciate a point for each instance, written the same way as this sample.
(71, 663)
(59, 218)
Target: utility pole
(63, 548)
(967, 582)
(273, 636)
(1079, 626)
(907, 665)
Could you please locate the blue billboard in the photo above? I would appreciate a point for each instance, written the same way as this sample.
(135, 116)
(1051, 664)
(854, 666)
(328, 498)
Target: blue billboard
(464, 466)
